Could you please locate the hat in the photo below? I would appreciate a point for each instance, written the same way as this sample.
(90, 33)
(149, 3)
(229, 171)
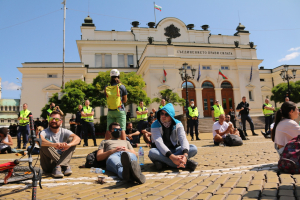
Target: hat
(114, 72)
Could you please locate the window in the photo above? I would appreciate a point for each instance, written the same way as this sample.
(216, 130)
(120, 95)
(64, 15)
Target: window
(98, 60)
(224, 104)
(206, 67)
(262, 80)
(121, 60)
(226, 84)
(225, 67)
(16, 121)
(251, 96)
(2, 121)
(1, 108)
(51, 75)
(5, 108)
(205, 104)
(107, 60)
(9, 120)
(19, 108)
(189, 85)
(9, 108)
(130, 60)
(14, 108)
(207, 84)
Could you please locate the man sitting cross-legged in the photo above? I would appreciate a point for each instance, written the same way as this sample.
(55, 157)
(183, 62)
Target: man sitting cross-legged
(58, 145)
(221, 128)
(172, 147)
(132, 134)
(120, 156)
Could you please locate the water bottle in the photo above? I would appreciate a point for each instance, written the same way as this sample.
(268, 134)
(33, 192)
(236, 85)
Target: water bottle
(97, 170)
(141, 156)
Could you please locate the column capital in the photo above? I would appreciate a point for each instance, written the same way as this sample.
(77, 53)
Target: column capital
(198, 89)
(218, 89)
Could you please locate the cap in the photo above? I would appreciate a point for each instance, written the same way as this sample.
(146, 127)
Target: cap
(114, 72)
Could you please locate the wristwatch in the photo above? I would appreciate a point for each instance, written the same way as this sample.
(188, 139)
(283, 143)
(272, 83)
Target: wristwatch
(187, 157)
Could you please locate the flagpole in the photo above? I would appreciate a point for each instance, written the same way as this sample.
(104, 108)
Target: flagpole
(154, 13)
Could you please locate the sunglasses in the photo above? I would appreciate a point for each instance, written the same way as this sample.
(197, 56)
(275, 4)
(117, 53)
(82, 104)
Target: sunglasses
(164, 114)
(56, 119)
(118, 129)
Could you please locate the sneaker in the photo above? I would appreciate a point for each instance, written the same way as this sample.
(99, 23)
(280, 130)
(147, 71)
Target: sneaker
(254, 134)
(24, 148)
(131, 169)
(190, 164)
(134, 145)
(192, 139)
(126, 161)
(56, 173)
(17, 147)
(198, 139)
(85, 145)
(158, 165)
(67, 171)
(136, 172)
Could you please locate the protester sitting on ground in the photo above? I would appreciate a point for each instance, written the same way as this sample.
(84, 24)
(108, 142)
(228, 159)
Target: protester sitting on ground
(120, 157)
(220, 129)
(151, 116)
(147, 133)
(285, 128)
(5, 141)
(132, 134)
(58, 145)
(172, 147)
(36, 149)
(232, 130)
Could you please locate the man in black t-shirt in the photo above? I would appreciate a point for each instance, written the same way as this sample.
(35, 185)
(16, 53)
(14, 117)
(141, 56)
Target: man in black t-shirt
(79, 123)
(132, 134)
(244, 109)
(45, 123)
(232, 117)
(72, 123)
(37, 123)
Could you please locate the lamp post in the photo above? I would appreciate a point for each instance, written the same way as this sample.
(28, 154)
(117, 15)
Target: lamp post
(185, 77)
(285, 76)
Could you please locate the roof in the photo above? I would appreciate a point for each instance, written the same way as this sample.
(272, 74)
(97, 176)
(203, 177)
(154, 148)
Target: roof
(8, 116)
(9, 102)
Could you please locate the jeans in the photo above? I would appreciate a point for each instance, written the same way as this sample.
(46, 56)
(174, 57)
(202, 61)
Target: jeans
(89, 127)
(268, 122)
(24, 131)
(134, 140)
(113, 162)
(248, 118)
(79, 131)
(34, 150)
(155, 155)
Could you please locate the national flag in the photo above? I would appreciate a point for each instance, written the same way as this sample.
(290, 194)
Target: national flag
(220, 73)
(199, 74)
(157, 7)
(251, 74)
(165, 75)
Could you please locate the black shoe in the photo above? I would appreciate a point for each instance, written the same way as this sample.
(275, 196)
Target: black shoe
(158, 165)
(95, 145)
(24, 148)
(192, 139)
(85, 145)
(136, 172)
(134, 145)
(131, 169)
(245, 138)
(198, 139)
(190, 164)
(254, 134)
(17, 147)
(125, 160)
(245, 133)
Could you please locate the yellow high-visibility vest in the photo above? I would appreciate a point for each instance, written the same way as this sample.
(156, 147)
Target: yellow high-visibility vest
(194, 113)
(24, 114)
(143, 116)
(218, 111)
(87, 111)
(268, 112)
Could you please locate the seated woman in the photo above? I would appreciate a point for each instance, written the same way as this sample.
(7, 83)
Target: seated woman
(5, 141)
(285, 128)
(36, 149)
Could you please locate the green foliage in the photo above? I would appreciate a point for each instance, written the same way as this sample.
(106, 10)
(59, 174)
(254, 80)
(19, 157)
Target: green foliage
(170, 97)
(280, 90)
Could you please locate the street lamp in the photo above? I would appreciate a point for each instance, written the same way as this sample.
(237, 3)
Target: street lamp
(285, 76)
(185, 77)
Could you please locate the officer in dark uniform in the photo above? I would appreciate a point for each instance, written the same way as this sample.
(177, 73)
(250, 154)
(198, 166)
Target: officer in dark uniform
(79, 123)
(193, 116)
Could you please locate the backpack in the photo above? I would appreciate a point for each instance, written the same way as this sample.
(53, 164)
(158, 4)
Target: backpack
(233, 140)
(113, 96)
(289, 159)
(91, 161)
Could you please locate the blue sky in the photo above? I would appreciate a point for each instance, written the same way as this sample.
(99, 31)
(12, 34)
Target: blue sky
(32, 30)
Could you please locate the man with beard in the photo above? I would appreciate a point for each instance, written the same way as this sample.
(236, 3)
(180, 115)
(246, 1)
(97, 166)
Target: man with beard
(53, 108)
(120, 157)
(172, 147)
(132, 134)
(58, 145)
(24, 130)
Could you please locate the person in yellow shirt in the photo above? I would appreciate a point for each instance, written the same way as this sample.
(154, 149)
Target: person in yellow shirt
(193, 116)
(87, 116)
(216, 111)
(141, 115)
(268, 111)
(24, 129)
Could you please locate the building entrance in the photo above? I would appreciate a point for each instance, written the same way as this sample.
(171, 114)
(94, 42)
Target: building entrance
(191, 93)
(208, 97)
(227, 96)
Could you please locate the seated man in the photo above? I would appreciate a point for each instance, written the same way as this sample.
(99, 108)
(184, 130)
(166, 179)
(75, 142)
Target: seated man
(58, 145)
(132, 134)
(120, 156)
(221, 128)
(147, 132)
(233, 130)
(172, 147)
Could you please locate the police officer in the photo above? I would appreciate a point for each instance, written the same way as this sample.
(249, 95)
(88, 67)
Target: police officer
(141, 115)
(87, 115)
(162, 104)
(192, 116)
(268, 111)
(79, 123)
(52, 108)
(23, 118)
(216, 111)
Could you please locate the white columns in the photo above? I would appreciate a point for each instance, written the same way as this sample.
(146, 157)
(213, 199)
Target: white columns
(237, 96)
(199, 101)
(218, 94)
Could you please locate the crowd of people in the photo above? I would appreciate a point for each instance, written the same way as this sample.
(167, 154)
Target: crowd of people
(160, 130)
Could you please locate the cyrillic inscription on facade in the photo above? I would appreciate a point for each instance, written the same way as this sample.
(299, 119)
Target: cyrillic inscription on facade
(205, 52)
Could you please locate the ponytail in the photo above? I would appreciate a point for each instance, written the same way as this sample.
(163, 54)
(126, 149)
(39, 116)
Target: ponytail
(114, 79)
(284, 112)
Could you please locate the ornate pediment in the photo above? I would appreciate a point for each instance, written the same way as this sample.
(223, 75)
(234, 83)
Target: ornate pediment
(265, 88)
(163, 87)
(51, 88)
(250, 86)
(172, 31)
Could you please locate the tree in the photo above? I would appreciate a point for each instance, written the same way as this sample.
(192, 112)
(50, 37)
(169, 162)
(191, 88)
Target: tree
(280, 90)
(134, 85)
(170, 97)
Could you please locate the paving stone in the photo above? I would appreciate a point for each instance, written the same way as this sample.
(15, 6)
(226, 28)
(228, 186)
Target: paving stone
(252, 194)
(273, 180)
(255, 187)
(242, 184)
(268, 198)
(164, 193)
(188, 195)
(198, 189)
(286, 198)
(229, 185)
(189, 186)
(212, 188)
(175, 186)
(221, 180)
(269, 192)
(135, 198)
(169, 197)
(238, 191)
(271, 186)
(289, 193)
(223, 191)
(286, 186)
(218, 197)
(178, 192)
(206, 183)
(153, 198)
(234, 197)
(257, 182)
(203, 196)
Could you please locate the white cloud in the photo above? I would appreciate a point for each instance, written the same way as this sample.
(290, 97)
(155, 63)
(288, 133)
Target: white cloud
(294, 49)
(290, 56)
(10, 86)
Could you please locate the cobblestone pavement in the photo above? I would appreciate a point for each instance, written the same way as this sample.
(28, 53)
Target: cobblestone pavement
(232, 173)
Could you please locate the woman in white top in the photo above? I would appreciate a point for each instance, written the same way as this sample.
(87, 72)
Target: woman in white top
(285, 127)
(5, 141)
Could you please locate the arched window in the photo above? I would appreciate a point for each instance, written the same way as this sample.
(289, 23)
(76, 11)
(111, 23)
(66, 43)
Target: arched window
(189, 85)
(5, 108)
(9, 108)
(1, 108)
(226, 84)
(207, 84)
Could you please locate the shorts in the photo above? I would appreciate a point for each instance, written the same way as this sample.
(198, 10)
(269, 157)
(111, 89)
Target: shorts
(116, 116)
